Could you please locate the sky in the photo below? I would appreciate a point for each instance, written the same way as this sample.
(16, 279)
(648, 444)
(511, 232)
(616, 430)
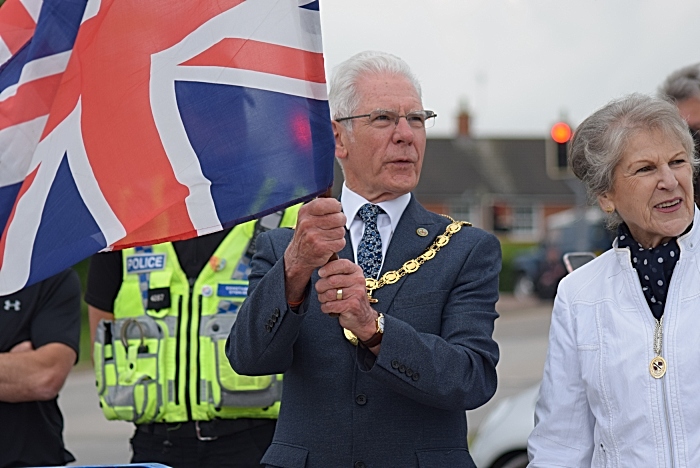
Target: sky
(519, 65)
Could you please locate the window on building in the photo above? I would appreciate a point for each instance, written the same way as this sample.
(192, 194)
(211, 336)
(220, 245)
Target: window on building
(502, 218)
(523, 220)
(464, 212)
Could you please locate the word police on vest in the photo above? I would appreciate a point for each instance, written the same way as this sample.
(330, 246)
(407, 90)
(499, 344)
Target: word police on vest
(144, 263)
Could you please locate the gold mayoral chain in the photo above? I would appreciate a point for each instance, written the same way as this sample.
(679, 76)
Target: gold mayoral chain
(411, 266)
(657, 366)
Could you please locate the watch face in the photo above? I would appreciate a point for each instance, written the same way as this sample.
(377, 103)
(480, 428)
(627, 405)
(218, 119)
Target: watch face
(380, 323)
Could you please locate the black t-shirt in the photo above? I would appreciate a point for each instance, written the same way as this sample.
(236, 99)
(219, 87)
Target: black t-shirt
(106, 274)
(31, 433)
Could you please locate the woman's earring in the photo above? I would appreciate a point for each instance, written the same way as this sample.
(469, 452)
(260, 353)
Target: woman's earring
(609, 209)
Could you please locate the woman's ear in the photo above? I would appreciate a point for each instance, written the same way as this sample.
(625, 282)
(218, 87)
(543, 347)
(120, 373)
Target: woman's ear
(606, 204)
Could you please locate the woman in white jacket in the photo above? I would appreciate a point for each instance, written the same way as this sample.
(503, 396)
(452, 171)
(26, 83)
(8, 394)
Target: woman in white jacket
(621, 385)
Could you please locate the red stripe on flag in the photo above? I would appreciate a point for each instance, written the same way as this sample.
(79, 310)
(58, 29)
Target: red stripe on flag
(263, 57)
(144, 234)
(16, 25)
(32, 100)
(117, 125)
(28, 181)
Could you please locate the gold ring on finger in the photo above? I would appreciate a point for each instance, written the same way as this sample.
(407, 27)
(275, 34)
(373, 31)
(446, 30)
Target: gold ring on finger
(339, 294)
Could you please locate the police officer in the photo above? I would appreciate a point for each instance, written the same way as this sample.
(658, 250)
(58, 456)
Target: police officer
(159, 317)
(39, 337)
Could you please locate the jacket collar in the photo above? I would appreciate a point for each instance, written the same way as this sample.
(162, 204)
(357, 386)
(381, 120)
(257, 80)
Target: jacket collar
(352, 202)
(687, 242)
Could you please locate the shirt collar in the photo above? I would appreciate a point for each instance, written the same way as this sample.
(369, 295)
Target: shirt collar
(352, 202)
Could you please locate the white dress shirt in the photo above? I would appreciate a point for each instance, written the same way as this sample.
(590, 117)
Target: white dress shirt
(386, 222)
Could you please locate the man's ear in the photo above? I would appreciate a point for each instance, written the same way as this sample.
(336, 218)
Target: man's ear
(340, 134)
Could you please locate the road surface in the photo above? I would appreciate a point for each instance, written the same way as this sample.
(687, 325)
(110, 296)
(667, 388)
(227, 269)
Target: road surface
(521, 332)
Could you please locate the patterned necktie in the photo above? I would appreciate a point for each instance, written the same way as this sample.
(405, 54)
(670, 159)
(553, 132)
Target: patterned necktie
(369, 252)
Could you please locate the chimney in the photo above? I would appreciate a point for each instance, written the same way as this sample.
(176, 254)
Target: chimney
(463, 123)
(463, 120)
(463, 140)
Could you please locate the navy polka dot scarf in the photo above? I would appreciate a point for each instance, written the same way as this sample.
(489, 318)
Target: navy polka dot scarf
(654, 267)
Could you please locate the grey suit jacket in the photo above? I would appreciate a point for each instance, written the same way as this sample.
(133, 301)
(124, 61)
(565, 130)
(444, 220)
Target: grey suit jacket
(344, 407)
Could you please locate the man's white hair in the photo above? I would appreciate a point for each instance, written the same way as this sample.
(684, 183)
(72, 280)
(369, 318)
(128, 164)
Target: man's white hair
(343, 98)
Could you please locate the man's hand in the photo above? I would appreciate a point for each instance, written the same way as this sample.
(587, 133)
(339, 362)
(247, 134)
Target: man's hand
(320, 233)
(354, 310)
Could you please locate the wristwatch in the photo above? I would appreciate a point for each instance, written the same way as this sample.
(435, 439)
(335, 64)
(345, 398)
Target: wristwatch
(378, 335)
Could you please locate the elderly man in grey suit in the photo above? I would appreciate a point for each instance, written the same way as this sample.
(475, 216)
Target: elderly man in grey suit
(384, 349)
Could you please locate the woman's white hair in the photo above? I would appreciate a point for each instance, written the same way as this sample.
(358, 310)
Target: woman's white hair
(601, 140)
(343, 98)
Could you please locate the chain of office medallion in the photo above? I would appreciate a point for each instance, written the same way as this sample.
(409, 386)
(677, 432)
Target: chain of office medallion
(411, 266)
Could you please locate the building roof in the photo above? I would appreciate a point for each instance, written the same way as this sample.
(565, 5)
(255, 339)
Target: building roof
(506, 167)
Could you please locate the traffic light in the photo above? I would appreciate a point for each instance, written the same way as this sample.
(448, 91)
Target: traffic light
(561, 134)
(557, 149)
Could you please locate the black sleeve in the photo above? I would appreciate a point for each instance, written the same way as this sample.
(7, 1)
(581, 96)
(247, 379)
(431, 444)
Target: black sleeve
(57, 314)
(104, 280)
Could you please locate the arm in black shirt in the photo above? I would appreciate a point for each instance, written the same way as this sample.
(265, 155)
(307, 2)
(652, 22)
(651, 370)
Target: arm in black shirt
(36, 368)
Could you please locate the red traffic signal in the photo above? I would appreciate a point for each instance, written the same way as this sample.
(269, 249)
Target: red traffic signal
(561, 132)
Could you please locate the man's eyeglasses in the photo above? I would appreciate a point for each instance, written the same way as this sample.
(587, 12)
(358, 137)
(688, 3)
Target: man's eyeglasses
(382, 118)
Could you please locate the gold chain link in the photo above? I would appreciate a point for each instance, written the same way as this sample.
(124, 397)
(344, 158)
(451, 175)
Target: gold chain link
(411, 266)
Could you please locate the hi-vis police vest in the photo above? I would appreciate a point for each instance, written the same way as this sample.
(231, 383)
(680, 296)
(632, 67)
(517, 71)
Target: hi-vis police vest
(162, 359)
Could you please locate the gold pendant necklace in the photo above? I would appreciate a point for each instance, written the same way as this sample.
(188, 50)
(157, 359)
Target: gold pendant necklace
(657, 366)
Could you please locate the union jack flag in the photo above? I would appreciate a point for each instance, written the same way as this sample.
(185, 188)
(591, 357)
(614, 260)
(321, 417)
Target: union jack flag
(131, 122)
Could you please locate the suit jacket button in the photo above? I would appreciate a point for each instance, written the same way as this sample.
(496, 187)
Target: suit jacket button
(271, 323)
(360, 465)
(268, 328)
(409, 372)
(395, 364)
(361, 399)
(402, 368)
(415, 376)
(277, 312)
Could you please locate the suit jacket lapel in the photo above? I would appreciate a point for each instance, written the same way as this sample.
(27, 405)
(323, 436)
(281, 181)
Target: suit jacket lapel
(347, 251)
(405, 245)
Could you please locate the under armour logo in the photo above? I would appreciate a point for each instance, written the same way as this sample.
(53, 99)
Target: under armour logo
(12, 305)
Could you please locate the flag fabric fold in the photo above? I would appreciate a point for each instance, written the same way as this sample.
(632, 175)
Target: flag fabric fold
(128, 123)
(17, 24)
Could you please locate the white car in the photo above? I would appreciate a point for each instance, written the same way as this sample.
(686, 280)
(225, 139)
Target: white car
(501, 440)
